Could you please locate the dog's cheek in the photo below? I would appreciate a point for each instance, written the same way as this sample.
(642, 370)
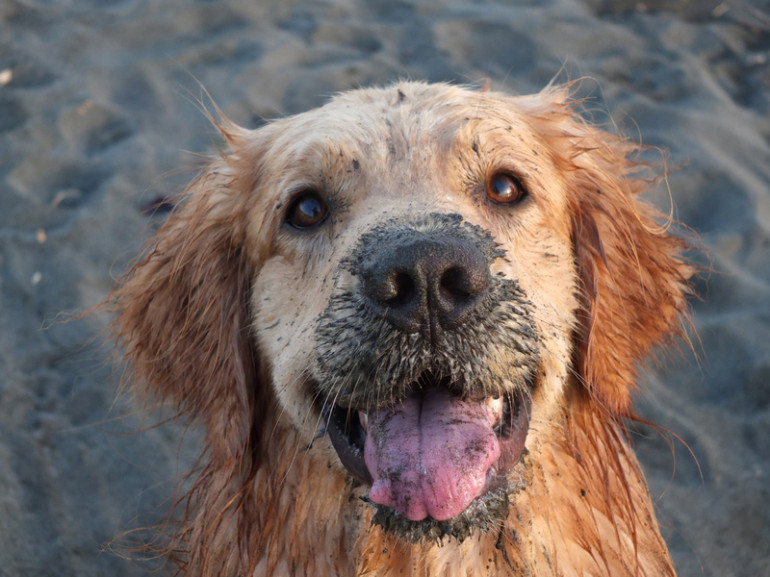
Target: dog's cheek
(283, 314)
(545, 269)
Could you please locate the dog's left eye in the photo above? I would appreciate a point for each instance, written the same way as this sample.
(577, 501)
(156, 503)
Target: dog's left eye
(505, 188)
(307, 210)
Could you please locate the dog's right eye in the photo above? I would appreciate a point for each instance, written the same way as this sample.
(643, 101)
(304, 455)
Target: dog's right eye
(307, 210)
(505, 188)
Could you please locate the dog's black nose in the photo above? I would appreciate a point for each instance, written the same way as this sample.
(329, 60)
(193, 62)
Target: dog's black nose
(426, 282)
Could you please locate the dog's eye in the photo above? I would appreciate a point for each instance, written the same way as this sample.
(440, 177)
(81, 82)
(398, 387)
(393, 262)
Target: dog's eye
(307, 210)
(504, 188)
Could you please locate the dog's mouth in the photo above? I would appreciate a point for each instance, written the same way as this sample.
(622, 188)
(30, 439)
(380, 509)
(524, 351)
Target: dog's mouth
(435, 456)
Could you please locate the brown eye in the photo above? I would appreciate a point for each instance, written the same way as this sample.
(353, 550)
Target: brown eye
(307, 210)
(504, 188)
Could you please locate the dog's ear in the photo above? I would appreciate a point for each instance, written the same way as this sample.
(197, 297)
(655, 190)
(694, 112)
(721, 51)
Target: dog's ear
(633, 273)
(182, 309)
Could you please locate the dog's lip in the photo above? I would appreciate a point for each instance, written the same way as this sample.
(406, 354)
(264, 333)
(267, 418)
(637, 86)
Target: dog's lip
(347, 436)
(348, 428)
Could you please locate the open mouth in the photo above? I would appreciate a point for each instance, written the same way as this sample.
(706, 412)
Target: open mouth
(435, 456)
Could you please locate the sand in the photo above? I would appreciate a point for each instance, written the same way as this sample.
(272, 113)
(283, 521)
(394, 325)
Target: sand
(97, 109)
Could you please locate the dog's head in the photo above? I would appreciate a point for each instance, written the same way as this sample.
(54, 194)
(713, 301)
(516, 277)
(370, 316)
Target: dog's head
(423, 272)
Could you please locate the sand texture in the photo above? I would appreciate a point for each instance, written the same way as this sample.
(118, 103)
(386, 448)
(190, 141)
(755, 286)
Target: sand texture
(97, 113)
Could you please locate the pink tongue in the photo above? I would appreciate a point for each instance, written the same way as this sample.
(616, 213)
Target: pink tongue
(430, 455)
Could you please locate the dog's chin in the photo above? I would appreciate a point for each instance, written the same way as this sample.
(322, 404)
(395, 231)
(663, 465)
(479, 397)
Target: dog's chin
(485, 513)
(508, 421)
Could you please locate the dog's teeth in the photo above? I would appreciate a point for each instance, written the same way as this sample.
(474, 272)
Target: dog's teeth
(494, 403)
(364, 418)
(494, 406)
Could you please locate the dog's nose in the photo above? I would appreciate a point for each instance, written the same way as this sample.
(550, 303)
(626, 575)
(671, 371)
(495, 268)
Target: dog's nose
(427, 284)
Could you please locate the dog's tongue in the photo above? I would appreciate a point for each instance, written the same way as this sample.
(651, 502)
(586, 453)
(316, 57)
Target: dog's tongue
(430, 455)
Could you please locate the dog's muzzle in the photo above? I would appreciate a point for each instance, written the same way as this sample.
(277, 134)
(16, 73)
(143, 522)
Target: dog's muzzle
(426, 363)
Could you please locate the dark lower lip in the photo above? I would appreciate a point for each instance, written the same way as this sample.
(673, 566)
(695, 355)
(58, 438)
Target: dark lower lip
(514, 429)
(347, 435)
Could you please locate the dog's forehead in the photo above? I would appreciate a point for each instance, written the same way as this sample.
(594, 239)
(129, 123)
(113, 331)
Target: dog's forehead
(397, 119)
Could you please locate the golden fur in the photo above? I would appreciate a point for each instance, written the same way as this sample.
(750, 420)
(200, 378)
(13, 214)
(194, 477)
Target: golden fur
(220, 318)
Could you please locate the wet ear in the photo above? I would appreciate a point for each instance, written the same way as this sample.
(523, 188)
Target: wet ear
(633, 274)
(182, 311)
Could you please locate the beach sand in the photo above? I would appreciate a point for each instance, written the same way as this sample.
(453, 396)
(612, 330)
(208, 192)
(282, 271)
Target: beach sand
(98, 114)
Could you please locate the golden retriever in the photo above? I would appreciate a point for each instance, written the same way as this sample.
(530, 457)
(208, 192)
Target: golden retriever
(409, 323)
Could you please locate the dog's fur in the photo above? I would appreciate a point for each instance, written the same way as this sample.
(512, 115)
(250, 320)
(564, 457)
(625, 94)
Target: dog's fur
(256, 328)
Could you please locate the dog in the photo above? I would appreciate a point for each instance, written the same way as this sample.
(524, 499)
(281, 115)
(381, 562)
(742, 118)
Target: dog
(409, 324)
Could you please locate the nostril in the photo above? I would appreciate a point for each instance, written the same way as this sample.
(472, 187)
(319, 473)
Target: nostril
(461, 284)
(398, 293)
(394, 287)
(401, 288)
(454, 283)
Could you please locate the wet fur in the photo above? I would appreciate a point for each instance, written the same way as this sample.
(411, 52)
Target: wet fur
(220, 317)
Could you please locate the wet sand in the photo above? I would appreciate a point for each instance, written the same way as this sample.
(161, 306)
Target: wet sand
(97, 111)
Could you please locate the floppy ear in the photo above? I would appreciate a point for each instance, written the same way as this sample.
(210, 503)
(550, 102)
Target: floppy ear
(634, 276)
(182, 310)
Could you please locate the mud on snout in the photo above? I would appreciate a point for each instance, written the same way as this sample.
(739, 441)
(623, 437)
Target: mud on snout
(426, 360)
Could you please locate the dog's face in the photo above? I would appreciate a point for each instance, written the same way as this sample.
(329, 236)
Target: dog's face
(418, 301)
(425, 296)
